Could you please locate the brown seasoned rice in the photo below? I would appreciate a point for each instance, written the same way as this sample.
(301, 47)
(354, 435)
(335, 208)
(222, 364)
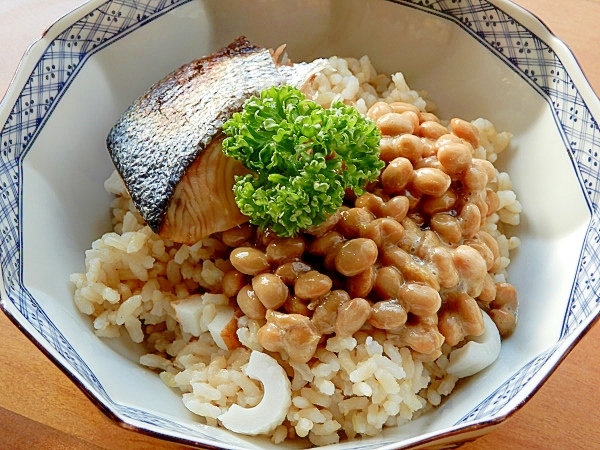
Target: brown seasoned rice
(354, 386)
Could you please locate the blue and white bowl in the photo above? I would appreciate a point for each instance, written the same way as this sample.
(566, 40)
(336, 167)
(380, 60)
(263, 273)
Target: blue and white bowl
(475, 57)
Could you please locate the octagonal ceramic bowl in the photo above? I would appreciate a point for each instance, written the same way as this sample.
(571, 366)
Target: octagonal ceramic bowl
(475, 57)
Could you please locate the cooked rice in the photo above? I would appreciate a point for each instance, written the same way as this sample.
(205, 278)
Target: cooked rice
(354, 386)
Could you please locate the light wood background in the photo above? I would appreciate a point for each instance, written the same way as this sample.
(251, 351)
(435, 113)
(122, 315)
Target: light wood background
(41, 408)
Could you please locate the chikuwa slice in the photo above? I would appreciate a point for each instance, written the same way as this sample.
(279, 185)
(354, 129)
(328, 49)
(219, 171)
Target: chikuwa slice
(478, 353)
(272, 409)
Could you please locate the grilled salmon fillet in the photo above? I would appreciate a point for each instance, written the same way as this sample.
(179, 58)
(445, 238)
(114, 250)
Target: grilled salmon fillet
(167, 145)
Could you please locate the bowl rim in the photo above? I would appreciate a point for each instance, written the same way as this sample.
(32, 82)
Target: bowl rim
(555, 355)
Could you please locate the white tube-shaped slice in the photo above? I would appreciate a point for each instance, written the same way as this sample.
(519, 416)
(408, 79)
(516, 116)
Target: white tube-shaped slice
(189, 314)
(272, 409)
(478, 353)
(220, 325)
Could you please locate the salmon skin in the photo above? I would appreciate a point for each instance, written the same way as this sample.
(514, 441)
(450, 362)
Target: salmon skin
(165, 131)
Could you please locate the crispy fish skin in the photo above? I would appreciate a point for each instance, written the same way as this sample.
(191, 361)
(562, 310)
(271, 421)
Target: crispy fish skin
(163, 132)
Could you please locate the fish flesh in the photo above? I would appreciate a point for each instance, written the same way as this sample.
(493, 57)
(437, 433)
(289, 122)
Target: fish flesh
(167, 145)
(207, 185)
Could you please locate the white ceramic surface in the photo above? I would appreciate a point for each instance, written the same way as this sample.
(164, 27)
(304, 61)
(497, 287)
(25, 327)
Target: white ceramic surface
(475, 58)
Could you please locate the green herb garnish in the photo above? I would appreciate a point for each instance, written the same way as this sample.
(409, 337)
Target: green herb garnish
(303, 158)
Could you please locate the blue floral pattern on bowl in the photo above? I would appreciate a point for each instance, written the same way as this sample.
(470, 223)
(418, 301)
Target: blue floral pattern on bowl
(520, 49)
